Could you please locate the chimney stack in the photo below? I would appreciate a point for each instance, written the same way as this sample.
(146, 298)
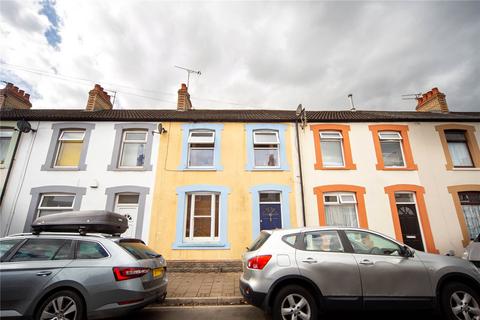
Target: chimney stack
(98, 99)
(12, 98)
(432, 101)
(184, 103)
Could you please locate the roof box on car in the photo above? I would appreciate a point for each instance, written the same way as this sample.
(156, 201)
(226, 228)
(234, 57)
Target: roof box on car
(97, 221)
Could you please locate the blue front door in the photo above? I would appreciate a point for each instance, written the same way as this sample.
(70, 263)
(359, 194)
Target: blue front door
(270, 216)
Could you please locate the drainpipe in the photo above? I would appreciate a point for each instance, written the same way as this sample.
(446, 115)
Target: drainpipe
(301, 174)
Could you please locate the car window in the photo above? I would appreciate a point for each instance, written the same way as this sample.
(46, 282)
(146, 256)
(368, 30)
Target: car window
(40, 249)
(6, 245)
(326, 240)
(261, 239)
(290, 239)
(369, 243)
(90, 250)
(139, 250)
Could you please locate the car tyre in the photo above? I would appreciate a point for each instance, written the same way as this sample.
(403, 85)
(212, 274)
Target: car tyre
(459, 300)
(62, 305)
(292, 300)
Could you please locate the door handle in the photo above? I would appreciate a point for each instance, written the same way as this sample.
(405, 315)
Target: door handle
(366, 262)
(309, 260)
(44, 273)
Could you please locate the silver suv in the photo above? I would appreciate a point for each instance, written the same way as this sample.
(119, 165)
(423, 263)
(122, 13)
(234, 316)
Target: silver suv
(296, 273)
(71, 276)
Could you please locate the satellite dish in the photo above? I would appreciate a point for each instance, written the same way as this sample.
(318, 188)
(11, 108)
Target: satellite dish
(299, 110)
(160, 128)
(24, 126)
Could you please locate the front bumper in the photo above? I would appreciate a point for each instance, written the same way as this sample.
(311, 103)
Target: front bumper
(256, 299)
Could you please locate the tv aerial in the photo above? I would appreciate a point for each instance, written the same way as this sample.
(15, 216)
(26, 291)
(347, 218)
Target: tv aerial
(189, 71)
(411, 96)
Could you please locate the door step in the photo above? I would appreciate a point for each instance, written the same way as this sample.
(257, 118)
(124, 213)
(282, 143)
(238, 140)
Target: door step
(204, 265)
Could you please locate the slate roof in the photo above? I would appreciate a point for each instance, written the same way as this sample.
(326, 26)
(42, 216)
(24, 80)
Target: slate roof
(238, 115)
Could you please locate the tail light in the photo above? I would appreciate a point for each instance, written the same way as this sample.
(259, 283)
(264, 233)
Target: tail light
(129, 273)
(258, 262)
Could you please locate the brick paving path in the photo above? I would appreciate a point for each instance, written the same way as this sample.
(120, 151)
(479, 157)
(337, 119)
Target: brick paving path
(185, 284)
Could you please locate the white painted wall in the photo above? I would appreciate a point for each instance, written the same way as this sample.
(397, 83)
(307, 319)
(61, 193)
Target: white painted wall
(31, 155)
(432, 175)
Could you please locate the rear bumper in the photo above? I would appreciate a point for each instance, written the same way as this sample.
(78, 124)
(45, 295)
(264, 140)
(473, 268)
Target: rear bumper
(256, 299)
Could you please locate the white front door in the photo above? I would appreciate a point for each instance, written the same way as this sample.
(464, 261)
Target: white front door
(127, 205)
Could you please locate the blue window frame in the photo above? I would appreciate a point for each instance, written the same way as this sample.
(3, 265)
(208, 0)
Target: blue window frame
(269, 206)
(201, 147)
(274, 151)
(185, 238)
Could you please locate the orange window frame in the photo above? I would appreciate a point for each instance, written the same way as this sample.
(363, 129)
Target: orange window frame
(347, 152)
(471, 142)
(359, 194)
(422, 212)
(454, 190)
(407, 151)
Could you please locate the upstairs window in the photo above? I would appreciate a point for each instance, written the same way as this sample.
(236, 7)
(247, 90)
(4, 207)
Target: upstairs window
(132, 154)
(340, 209)
(55, 203)
(5, 138)
(392, 151)
(458, 148)
(201, 148)
(266, 149)
(69, 148)
(331, 143)
(202, 217)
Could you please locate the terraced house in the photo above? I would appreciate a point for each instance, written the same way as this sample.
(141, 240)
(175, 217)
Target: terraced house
(201, 184)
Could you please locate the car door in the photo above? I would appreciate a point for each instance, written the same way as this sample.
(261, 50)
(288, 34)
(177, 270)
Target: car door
(386, 274)
(323, 259)
(29, 269)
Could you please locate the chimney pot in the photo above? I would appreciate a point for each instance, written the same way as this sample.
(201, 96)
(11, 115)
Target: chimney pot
(432, 101)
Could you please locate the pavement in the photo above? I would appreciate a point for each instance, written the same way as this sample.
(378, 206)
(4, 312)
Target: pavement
(203, 289)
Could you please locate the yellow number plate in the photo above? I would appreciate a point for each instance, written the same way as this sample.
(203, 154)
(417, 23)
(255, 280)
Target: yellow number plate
(158, 272)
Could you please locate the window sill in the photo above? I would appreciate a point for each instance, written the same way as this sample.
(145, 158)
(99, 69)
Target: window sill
(63, 169)
(354, 167)
(464, 169)
(412, 167)
(201, 246)
(267, 169)
(129, 169)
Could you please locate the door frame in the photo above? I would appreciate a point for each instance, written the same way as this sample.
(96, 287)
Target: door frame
(416, 214)
(269, 202)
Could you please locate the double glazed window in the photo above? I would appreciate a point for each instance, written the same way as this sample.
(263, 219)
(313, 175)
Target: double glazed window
(201, 148)
(458, 148)
(55, 203)
(132, 153)
(5, 138)
(332, 149)
(69, 148)
(392, 151)
(341, 209)
(202, 216)
(470, 202)
(266, 149)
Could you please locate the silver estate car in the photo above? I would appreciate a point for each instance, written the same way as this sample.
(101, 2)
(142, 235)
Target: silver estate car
(296, 273)
(71, 276)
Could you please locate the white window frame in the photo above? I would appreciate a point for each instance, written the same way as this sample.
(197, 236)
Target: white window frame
(59, 209)
(340, 201)
(258, 146)
(124, 141)
(60, 141)
(191, 237)
(324, 137)
(126, 205)
(207, 141)
(414, 197)
(399, 138)
(6, 133)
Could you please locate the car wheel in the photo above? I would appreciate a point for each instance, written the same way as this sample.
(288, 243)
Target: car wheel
(62, 305)
(460, 302)
(294, 302)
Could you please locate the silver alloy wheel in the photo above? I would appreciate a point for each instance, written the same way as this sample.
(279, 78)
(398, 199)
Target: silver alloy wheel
(60, 308)
(294, 307)
(464, 306)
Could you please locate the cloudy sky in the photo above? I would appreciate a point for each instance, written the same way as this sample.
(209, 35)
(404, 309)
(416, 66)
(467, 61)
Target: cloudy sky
(250, 54)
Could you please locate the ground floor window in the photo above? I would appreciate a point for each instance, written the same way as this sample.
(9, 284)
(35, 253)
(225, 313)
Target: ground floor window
(340, 209)
(202, 216)
(470, 202)
(55, 203)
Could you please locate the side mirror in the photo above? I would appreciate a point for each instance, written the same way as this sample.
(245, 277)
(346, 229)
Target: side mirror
(407, 252)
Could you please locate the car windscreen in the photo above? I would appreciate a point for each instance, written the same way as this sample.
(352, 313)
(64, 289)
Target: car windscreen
(261, 239)
(6, 245)
(139, 250)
